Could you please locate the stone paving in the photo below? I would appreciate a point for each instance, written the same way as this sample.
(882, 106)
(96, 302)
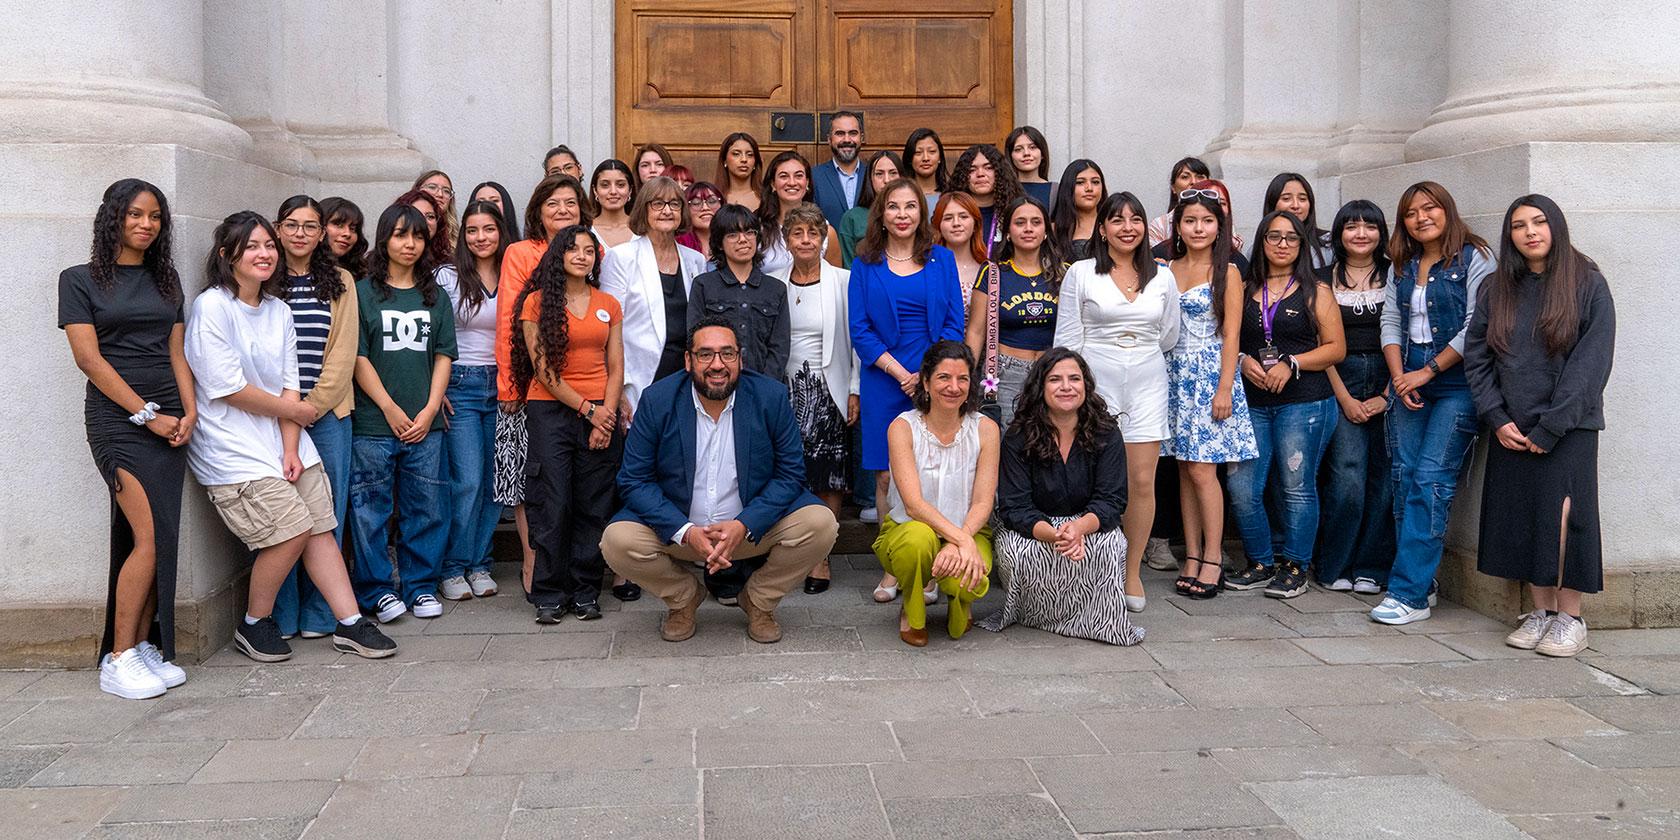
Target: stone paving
(1240, 717)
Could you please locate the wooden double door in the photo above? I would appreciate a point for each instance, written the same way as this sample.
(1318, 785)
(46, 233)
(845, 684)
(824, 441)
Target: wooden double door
(690, 72)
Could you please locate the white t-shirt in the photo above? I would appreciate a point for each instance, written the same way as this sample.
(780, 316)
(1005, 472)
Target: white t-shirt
(230, 345)
(475, 335)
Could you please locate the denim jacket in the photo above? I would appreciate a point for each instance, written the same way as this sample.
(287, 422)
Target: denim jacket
(1450, 295)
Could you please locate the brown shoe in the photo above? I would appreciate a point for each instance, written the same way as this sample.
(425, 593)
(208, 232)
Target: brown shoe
(761, 625)
(679, 622)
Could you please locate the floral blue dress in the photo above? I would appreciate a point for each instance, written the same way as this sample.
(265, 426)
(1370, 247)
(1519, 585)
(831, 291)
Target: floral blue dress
(1193, 377)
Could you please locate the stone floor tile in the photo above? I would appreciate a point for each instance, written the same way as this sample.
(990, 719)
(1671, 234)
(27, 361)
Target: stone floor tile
(55, 813)
(954, 777)
(1625, 751)
(1008, 736)
(1006, 817)
(681, 707)
(452, 676)
(1298, 686)
(1506, 679)
(1143, 792)
(490, 616)
(278, 828)
(1318, 809)
(1660, 674)
(1451, 618)
(774, 803)
(556, 710)
(1660, 784)
(96, 765)
(406, 714)
(414, 757)
(1645, 713)
(201, 682)
(223, 718)
(545, 646)
(1048, 694)
(1652, 642)
(1270, 832)
(663, 822)
(317, 680)
(1078, 657)
(1229, 602)
(11, 710)
(1503, 776)
(11, 682)
(1281, 764)
(429, 648)
(1517, 719)
(233, 801)
(463, 807)
(767, 744)
(1255, 653)
(278, 761)
(617, 673)
(810, 667)
(526, 752)
(1207, 628)
(79, 720)
(1316, 600)
(1392, 723)
(304, 652)
(811, 639)
(1197, 729)
(713, 636)
(1315, 625)
(1635, 825)
(588, 788)
(1485, 645)
(1379, 650)
(19, 764)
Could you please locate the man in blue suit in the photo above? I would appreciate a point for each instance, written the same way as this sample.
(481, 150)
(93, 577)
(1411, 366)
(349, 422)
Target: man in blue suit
(839, 180)
(714, 475)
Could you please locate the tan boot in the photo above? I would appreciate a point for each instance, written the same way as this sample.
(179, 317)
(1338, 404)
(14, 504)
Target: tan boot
(761, 624)
(679, 622)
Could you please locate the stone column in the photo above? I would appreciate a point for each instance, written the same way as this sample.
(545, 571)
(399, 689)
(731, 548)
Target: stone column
(1379, 106)
(1050, 71)
(582, 82)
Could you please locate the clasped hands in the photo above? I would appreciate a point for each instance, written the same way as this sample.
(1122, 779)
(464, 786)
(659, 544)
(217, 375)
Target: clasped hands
(960, 560)
(716, 543)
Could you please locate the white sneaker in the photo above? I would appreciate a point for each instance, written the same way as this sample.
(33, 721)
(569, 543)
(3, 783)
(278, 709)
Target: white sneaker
(1565, 636)
(1158, 555)
(125, 675)
(169, 672)
(1529, 633)
(1368, 586)
(1391, 611)
(869, 515)
(427, 606)
(390, 608)
(1340, 585)
(454, 588)
(483, 585)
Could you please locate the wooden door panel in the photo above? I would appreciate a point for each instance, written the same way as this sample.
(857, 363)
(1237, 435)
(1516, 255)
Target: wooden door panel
(744, 61)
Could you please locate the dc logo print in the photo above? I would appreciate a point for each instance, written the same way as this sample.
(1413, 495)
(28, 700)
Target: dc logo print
(407, 330)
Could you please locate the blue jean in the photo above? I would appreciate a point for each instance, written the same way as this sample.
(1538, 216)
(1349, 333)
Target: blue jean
(1292, 439)
(471, 443)
(299, 605)
(1427, 448)
(413, 475)
(1356, 526)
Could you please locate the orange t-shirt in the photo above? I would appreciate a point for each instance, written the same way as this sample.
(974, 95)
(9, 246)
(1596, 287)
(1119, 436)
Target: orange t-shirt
(585, 365)
(519, 261)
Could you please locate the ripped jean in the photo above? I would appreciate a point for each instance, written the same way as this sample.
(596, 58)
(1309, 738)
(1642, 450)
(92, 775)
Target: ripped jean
(1427, 449)
(1292, 440)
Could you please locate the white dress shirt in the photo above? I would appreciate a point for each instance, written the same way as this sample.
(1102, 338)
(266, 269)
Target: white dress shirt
(717, 489)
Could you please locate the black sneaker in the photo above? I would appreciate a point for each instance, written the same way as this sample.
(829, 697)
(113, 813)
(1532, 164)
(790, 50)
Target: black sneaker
(365, 639)
(1290, 582)
(586, 611)
(1253, 577)
(550, 614)
(261, 641)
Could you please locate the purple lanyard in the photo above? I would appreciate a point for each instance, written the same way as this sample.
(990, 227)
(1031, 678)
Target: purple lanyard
(1268, 310)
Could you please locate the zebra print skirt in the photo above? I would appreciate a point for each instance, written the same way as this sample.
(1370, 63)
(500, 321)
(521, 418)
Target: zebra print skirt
(1043, 589)
(511, 443)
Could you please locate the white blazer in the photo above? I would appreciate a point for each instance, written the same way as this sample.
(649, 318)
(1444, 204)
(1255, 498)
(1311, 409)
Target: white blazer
(839, 362)
(632, 276)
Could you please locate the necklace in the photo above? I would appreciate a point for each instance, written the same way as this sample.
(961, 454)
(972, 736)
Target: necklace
(896, 258)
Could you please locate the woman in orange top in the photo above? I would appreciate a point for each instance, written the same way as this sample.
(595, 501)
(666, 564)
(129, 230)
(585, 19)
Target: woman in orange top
(557, 202)
(569, 365)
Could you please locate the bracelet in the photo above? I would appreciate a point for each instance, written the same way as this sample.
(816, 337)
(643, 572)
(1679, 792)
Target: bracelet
(1293, 365)
(1434, 367)
(146, 414)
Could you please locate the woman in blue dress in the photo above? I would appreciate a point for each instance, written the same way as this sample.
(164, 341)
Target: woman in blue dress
(904, 296)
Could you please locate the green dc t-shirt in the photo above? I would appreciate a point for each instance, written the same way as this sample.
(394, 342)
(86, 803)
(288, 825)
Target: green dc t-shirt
(400, 335)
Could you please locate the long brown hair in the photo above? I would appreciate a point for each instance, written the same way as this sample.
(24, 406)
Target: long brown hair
(549, 280)
(873, 248)
(723, 159)
(534, 229)
(1402, 247)
(1049, 252)
(976, 248)
(1032, 414)
(1564, 283)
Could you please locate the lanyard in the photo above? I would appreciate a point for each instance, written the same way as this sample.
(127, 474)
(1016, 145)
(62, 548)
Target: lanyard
(1268, 309)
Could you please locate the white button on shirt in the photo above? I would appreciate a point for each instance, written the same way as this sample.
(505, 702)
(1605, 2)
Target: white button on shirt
(716, 494)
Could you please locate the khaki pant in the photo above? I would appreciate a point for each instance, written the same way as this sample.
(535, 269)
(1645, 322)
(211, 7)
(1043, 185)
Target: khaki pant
(795, 545)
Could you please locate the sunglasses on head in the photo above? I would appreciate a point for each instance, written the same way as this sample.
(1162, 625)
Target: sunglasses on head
(1190, 194)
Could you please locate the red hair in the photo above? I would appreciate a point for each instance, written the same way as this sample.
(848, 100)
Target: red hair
(976, 248)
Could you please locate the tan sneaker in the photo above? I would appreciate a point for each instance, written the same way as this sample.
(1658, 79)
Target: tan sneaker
(761, 624)
(1530, 631)
(1565, 636)
(1157, 556)
(679, 622)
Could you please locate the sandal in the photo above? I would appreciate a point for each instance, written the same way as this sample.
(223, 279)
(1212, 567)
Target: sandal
(1204, 591)
(1182, 584)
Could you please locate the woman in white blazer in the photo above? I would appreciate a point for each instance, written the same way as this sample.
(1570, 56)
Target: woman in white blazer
(822, 371)
(650, 276)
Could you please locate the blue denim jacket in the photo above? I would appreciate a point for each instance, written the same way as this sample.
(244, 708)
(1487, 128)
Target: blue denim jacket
(1450, 296)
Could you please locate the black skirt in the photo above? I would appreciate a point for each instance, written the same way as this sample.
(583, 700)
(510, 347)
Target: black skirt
(1522, 515)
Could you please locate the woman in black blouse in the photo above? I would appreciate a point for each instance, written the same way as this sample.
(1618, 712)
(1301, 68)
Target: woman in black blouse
(1061, 555)
(739, 290)
(1537, 356)
(123, 316)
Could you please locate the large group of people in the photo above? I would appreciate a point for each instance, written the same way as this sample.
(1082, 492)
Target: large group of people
(991, 363)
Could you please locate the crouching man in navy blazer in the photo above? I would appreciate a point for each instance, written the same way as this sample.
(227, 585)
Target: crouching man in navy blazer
(714, 475)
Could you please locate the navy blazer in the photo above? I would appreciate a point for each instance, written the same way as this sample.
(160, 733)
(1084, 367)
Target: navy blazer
(874, 314)
(830, 196)
(656, 479)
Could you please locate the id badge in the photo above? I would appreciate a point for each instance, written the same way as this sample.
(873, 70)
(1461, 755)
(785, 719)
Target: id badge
(1268, 355)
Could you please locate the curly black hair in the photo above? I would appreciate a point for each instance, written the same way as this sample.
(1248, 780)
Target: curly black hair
(323, 267)
(1006, 185)
(1032, 414)
(159, 258)
(549, 280)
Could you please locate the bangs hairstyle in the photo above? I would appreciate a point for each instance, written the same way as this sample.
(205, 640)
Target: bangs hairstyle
(657, 188)
(805, 215)
(1007, 185)
(1114, 207)
(469, 287)
(1221, 248)
(395, 219)
(1092, 424)
(107, 239)
(943, 350)
(1037, 137)
(866, 190)
(1402, 248)
(1359, 211)
(873, 247)
(534, 229)
(323, 269)
(1274, 191)
(679, 173)
(1049, 255)
(605, 166)
(1302, 269)
(510, 212)
(1563, 291)
(228, 244)
(549, 279)
(769, 202)
(338, 210)
(723, 158)
(965, 202)
(733, 218)
(1064, 217)
(1194, 164)
(941, 175)
(439, 242)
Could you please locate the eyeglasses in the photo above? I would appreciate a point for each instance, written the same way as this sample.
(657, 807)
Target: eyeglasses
(439, 190)
(672, 205)
(707, 201)
(310, 228)
(1278, 237)
(741, 234)
(1190, 194)
(728, 356)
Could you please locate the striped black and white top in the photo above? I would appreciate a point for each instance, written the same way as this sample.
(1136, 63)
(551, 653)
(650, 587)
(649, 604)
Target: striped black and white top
(313, 320)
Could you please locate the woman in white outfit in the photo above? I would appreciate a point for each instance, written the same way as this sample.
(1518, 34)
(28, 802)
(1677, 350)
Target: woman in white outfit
(1120, 311)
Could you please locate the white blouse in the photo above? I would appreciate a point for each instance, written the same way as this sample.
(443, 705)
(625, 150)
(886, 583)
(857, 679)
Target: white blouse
(946, 470)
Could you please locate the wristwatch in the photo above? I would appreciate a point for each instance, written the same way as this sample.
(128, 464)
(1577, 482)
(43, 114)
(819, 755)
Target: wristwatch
(1434, 367)
(146, 414)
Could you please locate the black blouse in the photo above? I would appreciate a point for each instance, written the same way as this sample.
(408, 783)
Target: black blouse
(1031, 490)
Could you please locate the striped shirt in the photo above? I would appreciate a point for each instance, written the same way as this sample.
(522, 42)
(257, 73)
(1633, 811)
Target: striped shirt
(313, 320)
